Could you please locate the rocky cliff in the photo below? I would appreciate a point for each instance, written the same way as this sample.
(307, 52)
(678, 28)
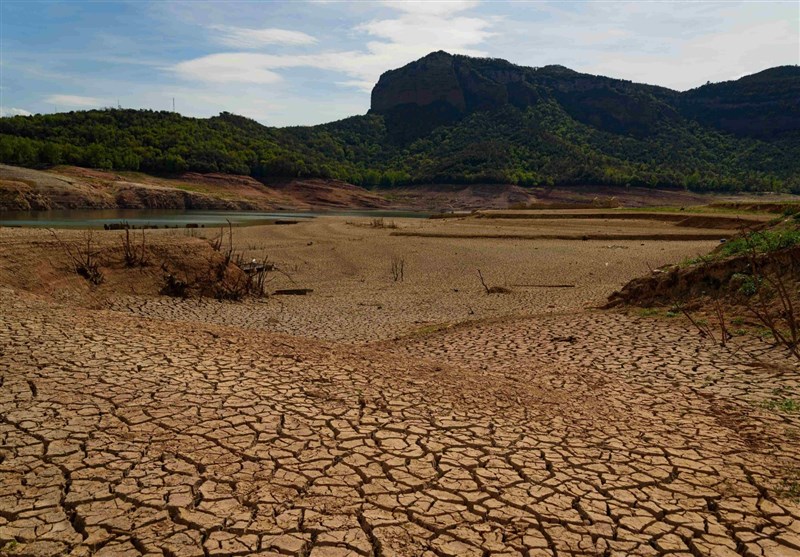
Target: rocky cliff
(441, 88)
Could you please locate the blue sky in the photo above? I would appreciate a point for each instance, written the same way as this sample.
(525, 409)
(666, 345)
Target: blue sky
(292, 63)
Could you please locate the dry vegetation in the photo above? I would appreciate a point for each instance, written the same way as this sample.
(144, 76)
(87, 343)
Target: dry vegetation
(754, 275)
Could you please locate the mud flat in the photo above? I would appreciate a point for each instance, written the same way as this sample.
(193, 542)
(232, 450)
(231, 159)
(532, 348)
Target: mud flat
(348, 264)
(376, 416)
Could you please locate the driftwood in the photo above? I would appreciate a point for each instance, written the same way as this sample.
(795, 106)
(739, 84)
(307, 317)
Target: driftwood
(255, 267)
(543, 285)
(293, 292)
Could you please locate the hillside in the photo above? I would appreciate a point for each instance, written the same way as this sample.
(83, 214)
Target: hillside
(763, 105)
(456, 119)
(69, 187)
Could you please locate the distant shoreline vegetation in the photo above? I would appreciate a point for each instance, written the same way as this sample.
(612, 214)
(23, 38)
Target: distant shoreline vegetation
(540, 145)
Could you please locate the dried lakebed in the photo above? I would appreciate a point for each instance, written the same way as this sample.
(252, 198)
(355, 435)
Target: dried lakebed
(136, 431)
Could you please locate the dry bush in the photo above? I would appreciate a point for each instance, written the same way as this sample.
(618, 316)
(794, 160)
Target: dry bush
(704, 327)
(134, 255)
(769, 293)
(174, 286)
(225, 275)
(213, 278)
(260, 278)
(380, 223)
(217, 241)
(767, 289)
(83, 256)
(398, 269)
(493, 289)
(258, 273)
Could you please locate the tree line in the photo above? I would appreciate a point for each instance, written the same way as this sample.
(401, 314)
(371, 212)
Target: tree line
(538, 146)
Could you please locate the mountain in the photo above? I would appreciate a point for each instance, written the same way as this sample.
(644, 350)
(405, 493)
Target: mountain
(441, 88)
(764, 105)
(456, 119)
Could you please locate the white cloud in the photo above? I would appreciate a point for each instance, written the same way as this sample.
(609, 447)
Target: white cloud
(730, 54)
(229, 67)
(357, 84)
(427, 33)
(418, 29)
(663, 43)
(73, 100)
(431, 7)
(241, 37)
(11, 111)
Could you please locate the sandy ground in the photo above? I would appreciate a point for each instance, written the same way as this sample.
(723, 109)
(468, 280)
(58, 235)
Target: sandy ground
(348, 264)
(383, 417)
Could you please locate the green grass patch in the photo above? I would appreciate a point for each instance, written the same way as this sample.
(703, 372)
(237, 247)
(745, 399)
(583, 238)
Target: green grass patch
(785, 405)
(697, 210)
(791, 490)
(658, 312)
(648, 312)
(429, 329)
(789, 487)
(763, 241)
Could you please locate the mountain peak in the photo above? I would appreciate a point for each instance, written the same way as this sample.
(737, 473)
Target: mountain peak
(421, 82)
(441, 88)
(436, 54)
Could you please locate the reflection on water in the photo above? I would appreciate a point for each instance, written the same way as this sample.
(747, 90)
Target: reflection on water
(168, 217)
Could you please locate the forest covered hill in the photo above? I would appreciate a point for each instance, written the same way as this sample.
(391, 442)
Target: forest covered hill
(456, 119)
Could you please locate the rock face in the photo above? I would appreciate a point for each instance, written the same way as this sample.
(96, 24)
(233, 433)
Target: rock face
(441, 88)
(427, 81)
(463, 84)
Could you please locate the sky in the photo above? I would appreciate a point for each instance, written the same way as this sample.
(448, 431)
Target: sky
(309, 62)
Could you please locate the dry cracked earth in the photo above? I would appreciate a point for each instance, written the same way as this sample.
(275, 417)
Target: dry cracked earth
(574, 433)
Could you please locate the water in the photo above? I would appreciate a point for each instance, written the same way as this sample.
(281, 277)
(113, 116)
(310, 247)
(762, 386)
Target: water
(171, 217)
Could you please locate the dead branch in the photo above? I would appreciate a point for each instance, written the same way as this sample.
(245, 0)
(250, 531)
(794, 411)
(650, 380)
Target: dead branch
(398, 269)
(83, 261)
(704, 329)
(483, 282)
(493, 289)
(133, 256)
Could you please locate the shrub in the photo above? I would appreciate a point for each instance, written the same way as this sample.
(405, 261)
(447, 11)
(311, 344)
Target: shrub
(762, 242)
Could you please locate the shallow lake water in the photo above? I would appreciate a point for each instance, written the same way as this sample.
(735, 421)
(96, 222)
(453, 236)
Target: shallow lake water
(171, 218)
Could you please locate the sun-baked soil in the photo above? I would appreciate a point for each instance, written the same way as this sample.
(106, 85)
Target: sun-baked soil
(382, 417)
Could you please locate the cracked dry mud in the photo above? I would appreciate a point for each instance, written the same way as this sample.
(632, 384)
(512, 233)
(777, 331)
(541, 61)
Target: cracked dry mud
(589, 433)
